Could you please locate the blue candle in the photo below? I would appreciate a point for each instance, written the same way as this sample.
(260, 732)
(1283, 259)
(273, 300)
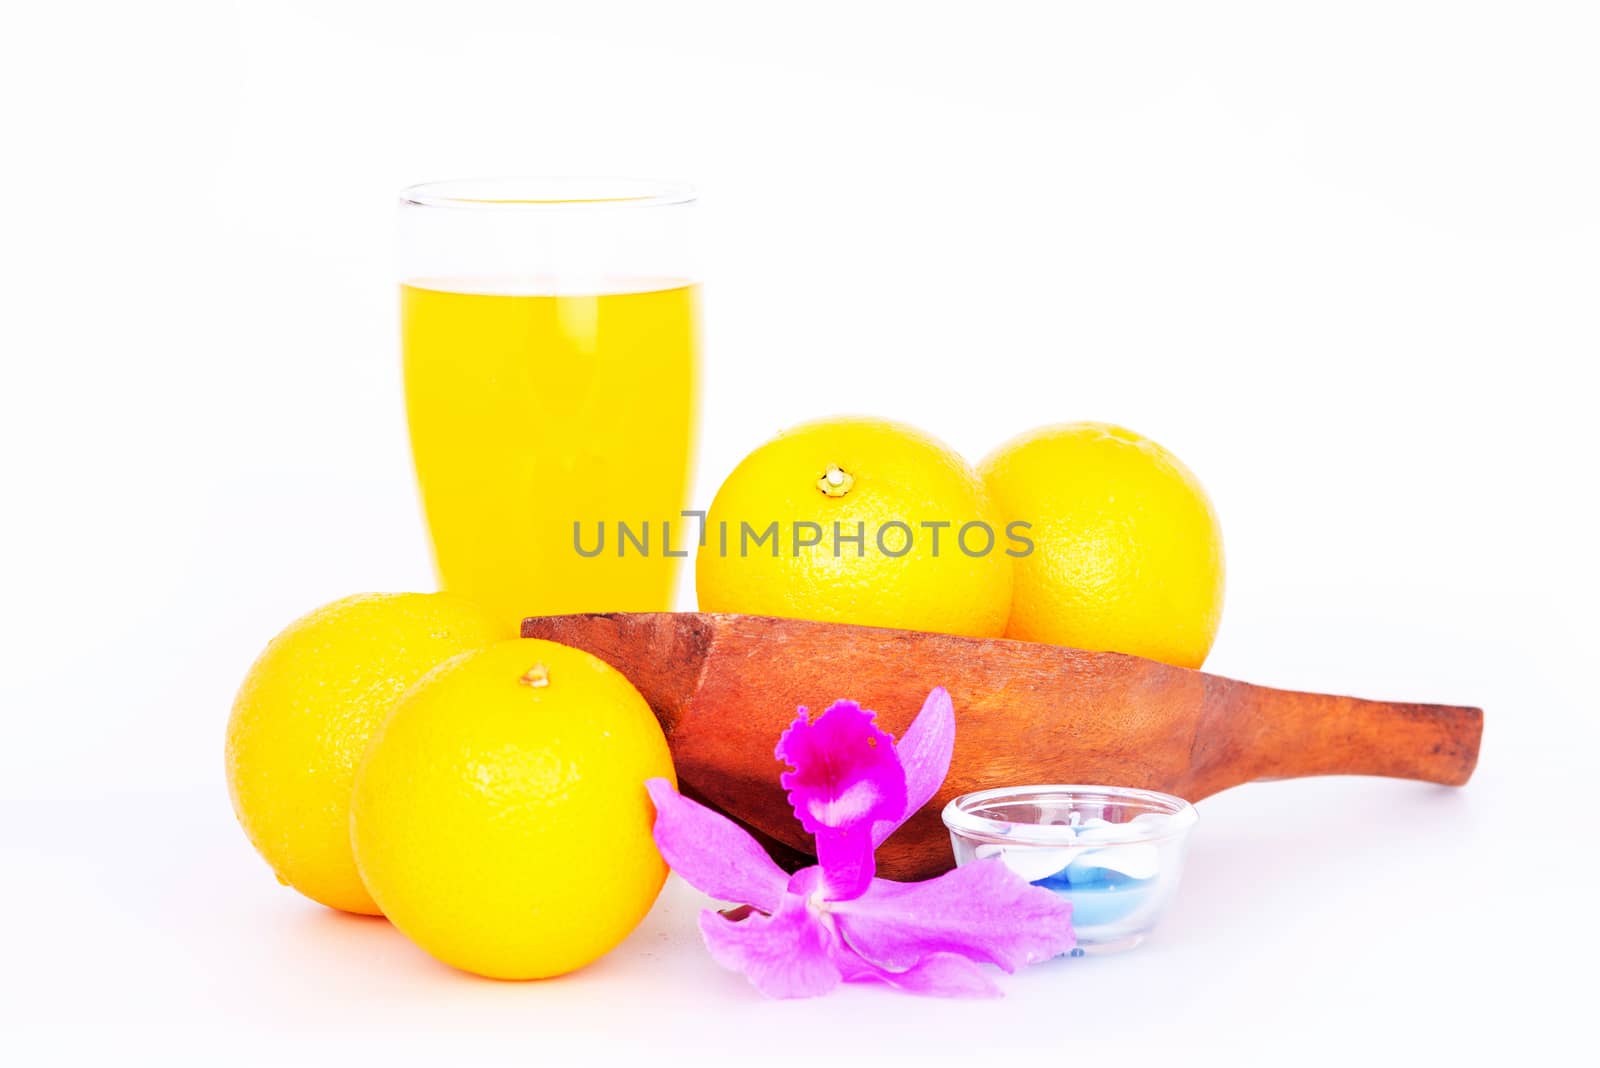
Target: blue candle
(1098, 895)
(1114, 852)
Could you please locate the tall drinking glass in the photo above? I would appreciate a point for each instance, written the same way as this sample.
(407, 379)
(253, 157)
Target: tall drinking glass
(550, 340)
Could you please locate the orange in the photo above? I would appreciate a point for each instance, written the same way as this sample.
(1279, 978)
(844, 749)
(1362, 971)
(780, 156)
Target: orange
(500, 817)
(857, 520)
(304, 715)
(1127, 549)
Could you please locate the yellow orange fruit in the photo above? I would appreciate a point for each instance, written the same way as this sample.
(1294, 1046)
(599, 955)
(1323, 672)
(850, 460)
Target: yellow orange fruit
(1127, 549)
(781, 533)
(500, 817)
(305, 713)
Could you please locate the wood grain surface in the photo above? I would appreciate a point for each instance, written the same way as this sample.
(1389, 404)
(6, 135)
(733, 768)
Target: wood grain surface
(726, 686)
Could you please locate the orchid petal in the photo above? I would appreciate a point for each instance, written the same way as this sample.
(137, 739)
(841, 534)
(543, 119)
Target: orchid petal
(943, 975)
(715, 855)
(784, 955)
(847, 778)
(983, 911)
(924, 750)
(851, 786)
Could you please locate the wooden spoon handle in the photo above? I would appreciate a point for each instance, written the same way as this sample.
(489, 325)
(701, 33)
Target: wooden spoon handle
(1251, 732)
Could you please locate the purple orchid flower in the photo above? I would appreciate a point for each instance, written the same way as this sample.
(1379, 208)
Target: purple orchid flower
(851, 786)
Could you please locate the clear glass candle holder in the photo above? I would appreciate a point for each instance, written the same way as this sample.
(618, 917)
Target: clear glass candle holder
(1115, 853)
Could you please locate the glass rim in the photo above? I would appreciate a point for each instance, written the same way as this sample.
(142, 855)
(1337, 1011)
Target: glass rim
(547, 193)
(960, 819)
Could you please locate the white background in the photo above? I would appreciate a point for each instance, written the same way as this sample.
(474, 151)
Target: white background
(1341, 258)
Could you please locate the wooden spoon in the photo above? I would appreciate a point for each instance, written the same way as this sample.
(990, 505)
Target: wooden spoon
(726, 686)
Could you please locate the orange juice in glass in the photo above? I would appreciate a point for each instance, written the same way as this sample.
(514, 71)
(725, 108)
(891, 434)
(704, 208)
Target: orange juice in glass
(550, 346)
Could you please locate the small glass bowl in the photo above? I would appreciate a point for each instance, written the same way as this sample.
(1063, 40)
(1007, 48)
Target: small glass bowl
(1115, 853)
